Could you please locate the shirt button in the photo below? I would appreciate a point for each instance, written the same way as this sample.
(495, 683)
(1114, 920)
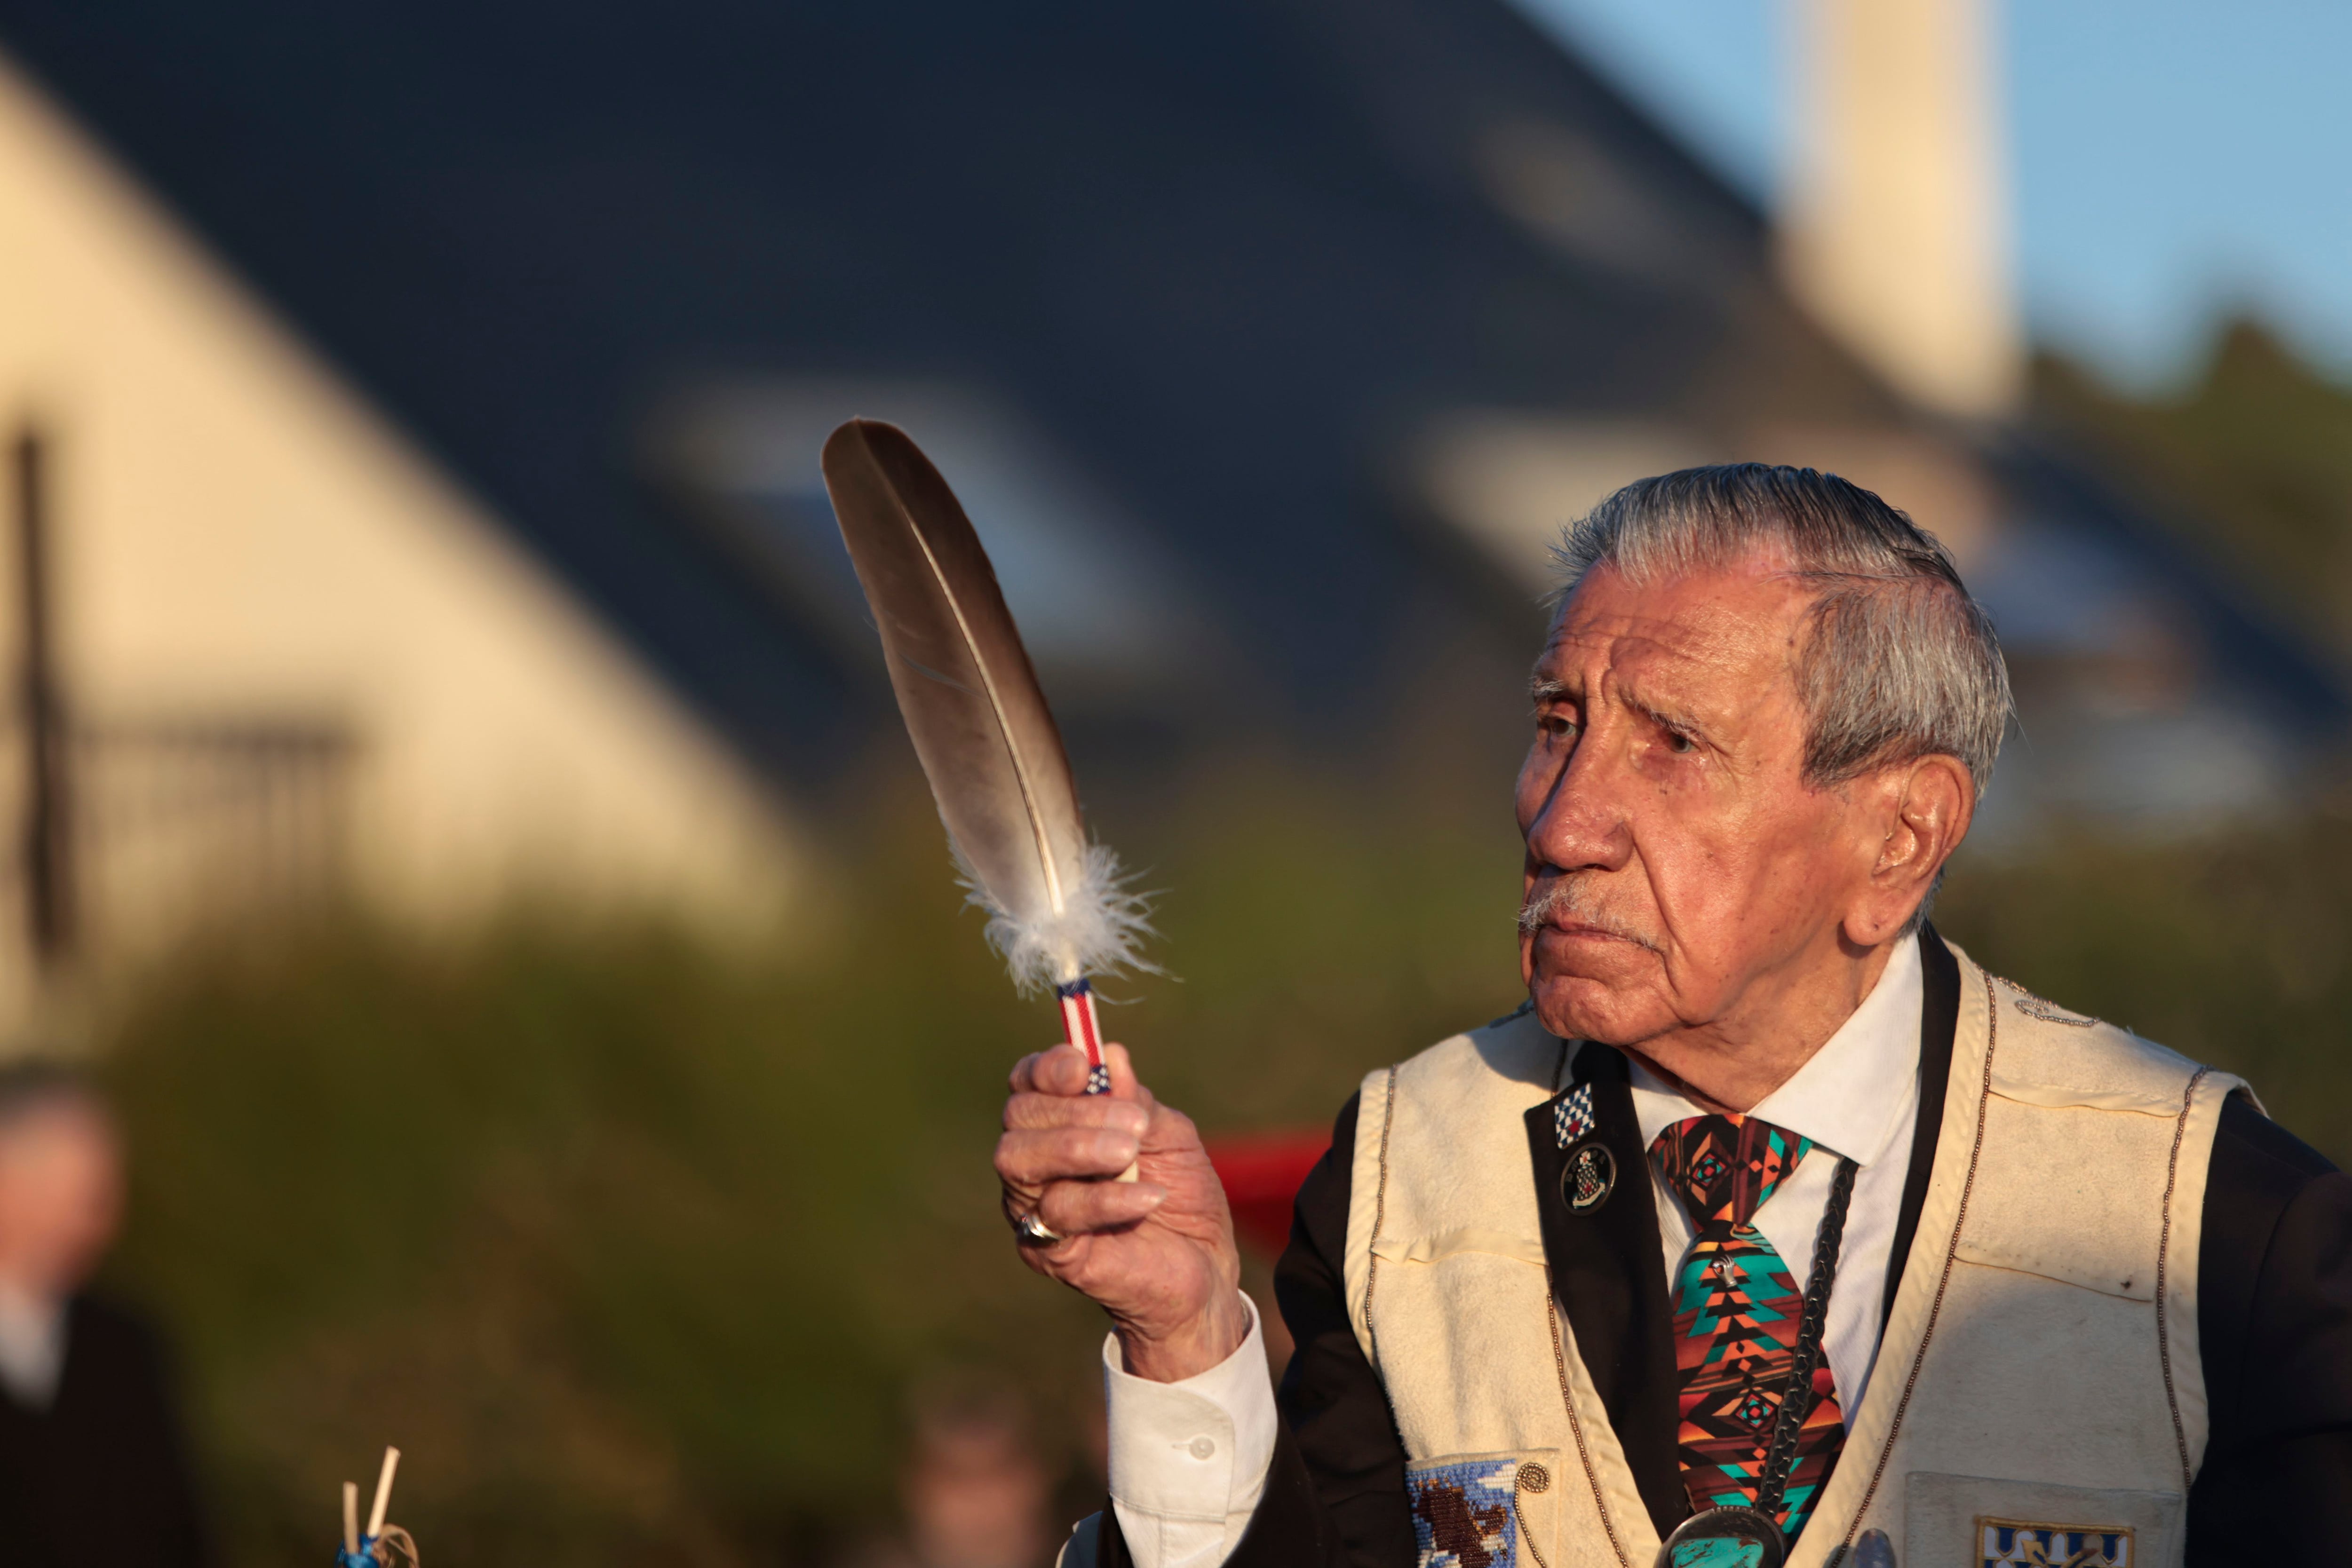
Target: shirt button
(1204, 1447)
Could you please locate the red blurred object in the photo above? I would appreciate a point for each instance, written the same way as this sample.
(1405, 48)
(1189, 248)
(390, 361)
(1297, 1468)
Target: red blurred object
(1261, 1173)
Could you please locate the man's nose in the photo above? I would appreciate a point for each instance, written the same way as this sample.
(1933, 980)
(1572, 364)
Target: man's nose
(1580, 824)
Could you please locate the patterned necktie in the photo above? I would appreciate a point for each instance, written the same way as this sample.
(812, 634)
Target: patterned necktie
(1737, 1308)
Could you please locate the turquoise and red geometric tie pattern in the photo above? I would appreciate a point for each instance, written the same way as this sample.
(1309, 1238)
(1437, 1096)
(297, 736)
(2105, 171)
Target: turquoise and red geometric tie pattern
(1736, 1310)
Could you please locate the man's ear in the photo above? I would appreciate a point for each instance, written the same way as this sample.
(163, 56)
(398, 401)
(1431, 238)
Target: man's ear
(1930, 801)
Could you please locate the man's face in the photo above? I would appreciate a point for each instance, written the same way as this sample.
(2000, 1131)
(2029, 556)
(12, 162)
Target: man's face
(60, 1196)
(1678, 863)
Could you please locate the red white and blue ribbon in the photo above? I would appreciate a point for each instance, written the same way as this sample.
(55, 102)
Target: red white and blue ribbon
(1084, 1030)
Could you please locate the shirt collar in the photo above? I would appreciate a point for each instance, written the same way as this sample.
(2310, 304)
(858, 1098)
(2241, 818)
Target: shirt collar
(1852, 1096)
(32, 1347)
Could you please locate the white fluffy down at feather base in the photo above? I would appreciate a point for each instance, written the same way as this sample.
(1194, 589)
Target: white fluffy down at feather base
(1101, 921)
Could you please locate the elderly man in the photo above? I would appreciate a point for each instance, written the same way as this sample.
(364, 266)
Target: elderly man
(1771, 1227)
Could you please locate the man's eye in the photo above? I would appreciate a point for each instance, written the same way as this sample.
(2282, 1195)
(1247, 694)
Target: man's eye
(1677, 742)
(1556, 726)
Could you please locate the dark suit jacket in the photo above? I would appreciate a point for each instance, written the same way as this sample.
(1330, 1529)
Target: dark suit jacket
(99, 1479)
(2274, 1320)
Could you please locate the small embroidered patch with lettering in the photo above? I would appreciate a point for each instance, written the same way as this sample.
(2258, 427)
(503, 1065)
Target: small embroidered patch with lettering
(1571, 1116)
(1463, 1515)
(2033, 1007)
(2016, 1543)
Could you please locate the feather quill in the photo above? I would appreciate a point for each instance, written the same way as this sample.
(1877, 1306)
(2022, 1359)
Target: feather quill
(1058, 907)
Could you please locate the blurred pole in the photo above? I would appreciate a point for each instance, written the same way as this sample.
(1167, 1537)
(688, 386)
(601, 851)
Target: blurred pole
(1895, 226)
(48, 821)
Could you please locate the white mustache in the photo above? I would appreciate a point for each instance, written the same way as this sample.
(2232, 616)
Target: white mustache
(1577, 897)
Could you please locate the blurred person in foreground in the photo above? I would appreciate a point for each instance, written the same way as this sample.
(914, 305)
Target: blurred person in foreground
(973, 1491)
(92, 1471)
(1769, 1221)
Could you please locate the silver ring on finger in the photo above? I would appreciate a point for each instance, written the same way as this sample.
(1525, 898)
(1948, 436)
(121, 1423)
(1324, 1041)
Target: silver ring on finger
(1031, 1231)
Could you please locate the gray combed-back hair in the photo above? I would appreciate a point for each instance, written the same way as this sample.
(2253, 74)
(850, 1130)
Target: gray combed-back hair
(1900, 662)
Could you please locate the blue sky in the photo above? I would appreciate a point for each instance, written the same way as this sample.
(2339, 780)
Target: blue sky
(2171, 159)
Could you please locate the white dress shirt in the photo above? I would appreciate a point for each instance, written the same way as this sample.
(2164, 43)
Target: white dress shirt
(32, 1347)
(1188, 1460)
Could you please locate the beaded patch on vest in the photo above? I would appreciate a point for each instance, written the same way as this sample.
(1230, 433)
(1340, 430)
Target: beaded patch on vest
(1463, 1515)
(1571, 1118)
(2013, 1544)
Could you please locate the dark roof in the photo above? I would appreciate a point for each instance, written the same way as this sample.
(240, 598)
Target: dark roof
(1232, 253)
(1225, 251)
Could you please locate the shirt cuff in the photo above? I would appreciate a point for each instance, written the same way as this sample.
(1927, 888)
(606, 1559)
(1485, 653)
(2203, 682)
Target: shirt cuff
(1198, 1449)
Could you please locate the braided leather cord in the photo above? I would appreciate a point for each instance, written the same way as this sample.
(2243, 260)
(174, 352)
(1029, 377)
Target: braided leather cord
(1780, 1458)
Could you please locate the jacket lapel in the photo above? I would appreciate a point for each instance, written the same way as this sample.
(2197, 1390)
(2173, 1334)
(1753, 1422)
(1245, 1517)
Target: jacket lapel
(1939, 1016)
(1609, 1272)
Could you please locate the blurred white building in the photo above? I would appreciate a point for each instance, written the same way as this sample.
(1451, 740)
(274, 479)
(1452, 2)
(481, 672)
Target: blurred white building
(291, 656)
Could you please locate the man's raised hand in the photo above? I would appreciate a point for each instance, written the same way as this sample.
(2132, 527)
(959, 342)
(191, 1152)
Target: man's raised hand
(1156, 1254)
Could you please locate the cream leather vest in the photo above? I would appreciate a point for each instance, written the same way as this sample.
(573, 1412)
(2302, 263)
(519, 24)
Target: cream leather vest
(2039, 1370)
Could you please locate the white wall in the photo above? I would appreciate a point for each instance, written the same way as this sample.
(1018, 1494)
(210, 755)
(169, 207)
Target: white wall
(240, 538)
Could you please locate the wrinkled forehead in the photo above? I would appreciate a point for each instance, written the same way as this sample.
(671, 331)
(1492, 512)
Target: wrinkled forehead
(1720, 625)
